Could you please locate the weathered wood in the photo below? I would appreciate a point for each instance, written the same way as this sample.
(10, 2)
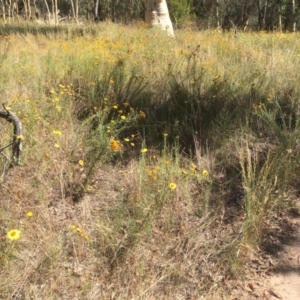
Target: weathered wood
(17, 134)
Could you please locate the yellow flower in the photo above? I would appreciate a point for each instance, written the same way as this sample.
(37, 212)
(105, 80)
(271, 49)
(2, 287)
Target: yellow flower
(20, 137)
(81, 163)
(115, 145)
(142, 114)
(172, 186)
(132, 144)
(29, 214)
(89, 188)
(144, 150)
(57, 132)
(193, 168)
(123, 117)
(115, 106)
(205, 173)
(14, 234)
(165, 134)
(73, 227)
(56, 145)
(126, 139)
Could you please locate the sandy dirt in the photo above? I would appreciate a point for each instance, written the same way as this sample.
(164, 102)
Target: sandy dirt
(284, 280)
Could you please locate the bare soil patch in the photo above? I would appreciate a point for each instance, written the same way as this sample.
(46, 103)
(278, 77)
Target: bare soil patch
(285, 277)
(273, 271)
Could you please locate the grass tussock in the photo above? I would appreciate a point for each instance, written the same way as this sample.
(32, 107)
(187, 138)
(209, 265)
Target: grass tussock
(151, 166)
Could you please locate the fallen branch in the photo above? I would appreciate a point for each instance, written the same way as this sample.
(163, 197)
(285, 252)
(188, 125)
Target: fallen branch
(17, 137)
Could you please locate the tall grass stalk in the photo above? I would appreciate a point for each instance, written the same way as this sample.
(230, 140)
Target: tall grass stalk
(260, 193)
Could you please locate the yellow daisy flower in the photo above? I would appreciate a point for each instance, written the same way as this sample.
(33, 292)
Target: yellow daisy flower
(57, 132)
(29, 214)
(14, 234)
(205, 173)
(115, 145)
(172, 186)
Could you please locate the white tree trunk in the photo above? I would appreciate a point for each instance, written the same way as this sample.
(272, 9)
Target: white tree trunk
(217, 15)
(294, 16)
(157, 14)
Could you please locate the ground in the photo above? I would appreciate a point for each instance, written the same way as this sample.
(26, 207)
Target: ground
(284, 280)
(274, 271)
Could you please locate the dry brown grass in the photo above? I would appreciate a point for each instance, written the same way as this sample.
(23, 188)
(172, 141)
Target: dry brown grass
(116, 222)
(172, 253)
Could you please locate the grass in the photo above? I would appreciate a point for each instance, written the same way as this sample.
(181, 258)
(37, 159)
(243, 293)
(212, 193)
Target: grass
(151, 165)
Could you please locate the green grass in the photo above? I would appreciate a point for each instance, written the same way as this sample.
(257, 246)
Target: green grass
(139, 150)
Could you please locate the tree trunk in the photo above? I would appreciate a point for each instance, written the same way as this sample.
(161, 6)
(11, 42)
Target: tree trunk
(96, 11)
(16, 9)
(28, 9)
(265, 13)
(49, 14)
(279, 17)
(260, 15)
(53, 13)
(217, 15)
(157, 14)
(74, 11)
(294, 16)
(245, 18)
(3, 9)
(9, 8)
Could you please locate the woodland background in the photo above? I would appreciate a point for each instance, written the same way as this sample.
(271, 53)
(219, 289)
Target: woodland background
(206, 14)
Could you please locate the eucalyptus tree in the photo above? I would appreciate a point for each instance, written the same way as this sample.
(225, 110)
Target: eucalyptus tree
(157, 14)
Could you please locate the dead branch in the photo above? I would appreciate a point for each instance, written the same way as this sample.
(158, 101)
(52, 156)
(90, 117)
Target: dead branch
(17, 134)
